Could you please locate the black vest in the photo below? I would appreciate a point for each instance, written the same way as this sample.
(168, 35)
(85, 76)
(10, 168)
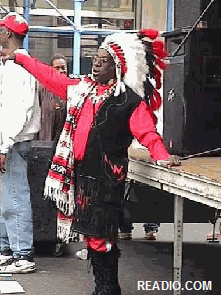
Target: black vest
(101, 174)
(110, 136)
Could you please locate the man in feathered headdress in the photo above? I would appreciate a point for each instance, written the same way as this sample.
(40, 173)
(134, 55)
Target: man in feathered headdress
(105, 111)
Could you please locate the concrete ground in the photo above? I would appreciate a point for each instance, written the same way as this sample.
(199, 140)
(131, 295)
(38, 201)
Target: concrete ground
(141, 261)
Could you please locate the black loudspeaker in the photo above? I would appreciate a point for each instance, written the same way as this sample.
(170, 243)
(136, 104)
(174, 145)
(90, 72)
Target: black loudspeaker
(192, 105)
(44, 211)
(186, 12)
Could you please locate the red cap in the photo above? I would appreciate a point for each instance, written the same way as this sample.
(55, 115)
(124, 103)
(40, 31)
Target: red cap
(15, 23)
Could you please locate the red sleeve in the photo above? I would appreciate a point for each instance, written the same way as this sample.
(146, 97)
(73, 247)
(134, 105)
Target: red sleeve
(144, 130)
(54, 81)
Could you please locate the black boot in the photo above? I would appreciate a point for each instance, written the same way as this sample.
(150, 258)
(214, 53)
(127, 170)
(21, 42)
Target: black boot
(105, 271)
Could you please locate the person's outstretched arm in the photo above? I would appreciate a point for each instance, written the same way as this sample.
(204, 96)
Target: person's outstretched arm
(144, 130)
(54, 81)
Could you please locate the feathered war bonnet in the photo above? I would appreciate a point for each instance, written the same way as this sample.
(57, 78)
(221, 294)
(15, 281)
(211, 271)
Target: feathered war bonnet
(138, 57)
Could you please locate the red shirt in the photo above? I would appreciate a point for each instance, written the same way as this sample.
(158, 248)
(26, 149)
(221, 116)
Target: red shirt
(141, 123)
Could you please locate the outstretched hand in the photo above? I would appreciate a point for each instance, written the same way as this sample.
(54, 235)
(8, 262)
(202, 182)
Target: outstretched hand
(173, 160)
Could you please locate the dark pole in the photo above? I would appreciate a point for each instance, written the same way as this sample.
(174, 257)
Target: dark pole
(11, 4)
(100, 21)
(26, 9)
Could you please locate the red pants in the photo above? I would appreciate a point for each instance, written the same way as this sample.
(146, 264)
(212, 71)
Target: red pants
(98, 244)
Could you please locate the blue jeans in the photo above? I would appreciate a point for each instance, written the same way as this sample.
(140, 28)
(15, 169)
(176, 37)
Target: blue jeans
(16, 225)
(151, 227)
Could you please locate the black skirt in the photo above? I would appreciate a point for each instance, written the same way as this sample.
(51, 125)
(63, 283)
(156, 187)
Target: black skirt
(97, 205)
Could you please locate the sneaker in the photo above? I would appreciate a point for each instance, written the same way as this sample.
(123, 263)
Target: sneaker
(18, 265)
(82, 254)
(151, 235)
(125, 236)
(5, 256)
(215, 238)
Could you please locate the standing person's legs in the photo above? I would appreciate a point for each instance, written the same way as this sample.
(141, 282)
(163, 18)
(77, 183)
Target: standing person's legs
(105, 271)
(16, 204)
(126, 231)
(126, 228)
(105, 261)
(5, 251)
(4, 242)
(151, 227)
(151, 230)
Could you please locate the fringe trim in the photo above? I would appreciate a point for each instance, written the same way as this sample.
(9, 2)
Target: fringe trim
(64, 230)
(99, 220)
(64, 201)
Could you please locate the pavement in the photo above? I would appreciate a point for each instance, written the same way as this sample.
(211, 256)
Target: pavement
(141, 260)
